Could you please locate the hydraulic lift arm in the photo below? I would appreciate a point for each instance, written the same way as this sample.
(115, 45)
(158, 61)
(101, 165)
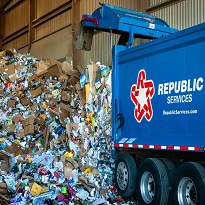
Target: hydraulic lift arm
(128, 23)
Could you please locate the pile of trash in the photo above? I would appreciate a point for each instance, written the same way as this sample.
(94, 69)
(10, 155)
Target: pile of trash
(55, 132)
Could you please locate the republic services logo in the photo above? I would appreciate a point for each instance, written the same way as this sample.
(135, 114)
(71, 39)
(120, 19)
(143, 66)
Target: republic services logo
(141, 95)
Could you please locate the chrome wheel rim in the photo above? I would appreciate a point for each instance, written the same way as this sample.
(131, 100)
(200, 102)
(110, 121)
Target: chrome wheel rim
(147, 187)
(187, 193)
(122, 176)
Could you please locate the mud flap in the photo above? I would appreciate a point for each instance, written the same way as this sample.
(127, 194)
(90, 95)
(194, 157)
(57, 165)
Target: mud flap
(84, 38)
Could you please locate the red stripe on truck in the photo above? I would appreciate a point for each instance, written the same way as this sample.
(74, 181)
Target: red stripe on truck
(181, 148)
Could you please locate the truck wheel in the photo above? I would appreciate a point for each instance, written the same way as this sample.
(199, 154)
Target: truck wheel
(125, 175)
(171, 170)
(189, 184)
(152, 183)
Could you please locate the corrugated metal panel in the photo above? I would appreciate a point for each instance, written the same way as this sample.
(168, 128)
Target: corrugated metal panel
(17, 43)
(56, 46)
(183, 14)
(53, 25)
(88, 8)
(46, 6)
(101, 46)
(154, 2)
(23, 49)
(16, 18)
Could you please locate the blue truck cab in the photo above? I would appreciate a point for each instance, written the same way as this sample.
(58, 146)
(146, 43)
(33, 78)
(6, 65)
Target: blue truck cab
(158, 106)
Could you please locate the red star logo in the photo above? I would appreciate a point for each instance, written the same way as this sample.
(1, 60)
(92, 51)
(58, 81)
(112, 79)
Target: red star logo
(141, 95)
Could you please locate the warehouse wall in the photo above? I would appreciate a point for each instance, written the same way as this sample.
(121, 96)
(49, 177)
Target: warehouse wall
(180, 14)
(42, 28)
(53, 37)
(15, 20)
(48, 28)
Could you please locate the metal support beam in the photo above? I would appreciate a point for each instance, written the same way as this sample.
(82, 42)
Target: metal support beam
(6, 10)
(32, 9)
(1, 28)
(4, 3)
(161, 5)
(75, 24)
(142, 5)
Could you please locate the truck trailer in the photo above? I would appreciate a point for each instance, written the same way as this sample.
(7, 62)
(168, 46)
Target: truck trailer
(158, 105)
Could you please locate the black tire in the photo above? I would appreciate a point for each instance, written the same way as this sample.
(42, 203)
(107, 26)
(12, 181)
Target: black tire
(171, 170)
(202, 163)
(152, 183)
(189, 184)
(125, 175)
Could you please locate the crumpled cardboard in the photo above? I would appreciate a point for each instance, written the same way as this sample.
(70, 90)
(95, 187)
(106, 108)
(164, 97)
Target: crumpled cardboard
(73, 74)
(68, 168)
(4, 200)
(12, 103)
(46, 136)
(28, 121)
(42, 67)
(36, 91)
(6, 161)
(64, 111)
(10, 69)
(1, 91)
(73, 80)
(52, 71)
(11, 128)
(72, 161)
(18, 118)
(2, 65)
(25, 100)
(52, 62)
(20, 134)
(65, 95)
(29, 129)
(3, 188)
(67, 67)
(16, 149)
(94, 73)
(68, 128)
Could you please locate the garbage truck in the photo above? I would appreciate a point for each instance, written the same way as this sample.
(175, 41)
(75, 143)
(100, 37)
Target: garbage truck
(158, 105)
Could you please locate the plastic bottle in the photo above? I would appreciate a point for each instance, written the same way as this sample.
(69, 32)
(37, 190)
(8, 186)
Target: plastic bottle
(75, 175)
